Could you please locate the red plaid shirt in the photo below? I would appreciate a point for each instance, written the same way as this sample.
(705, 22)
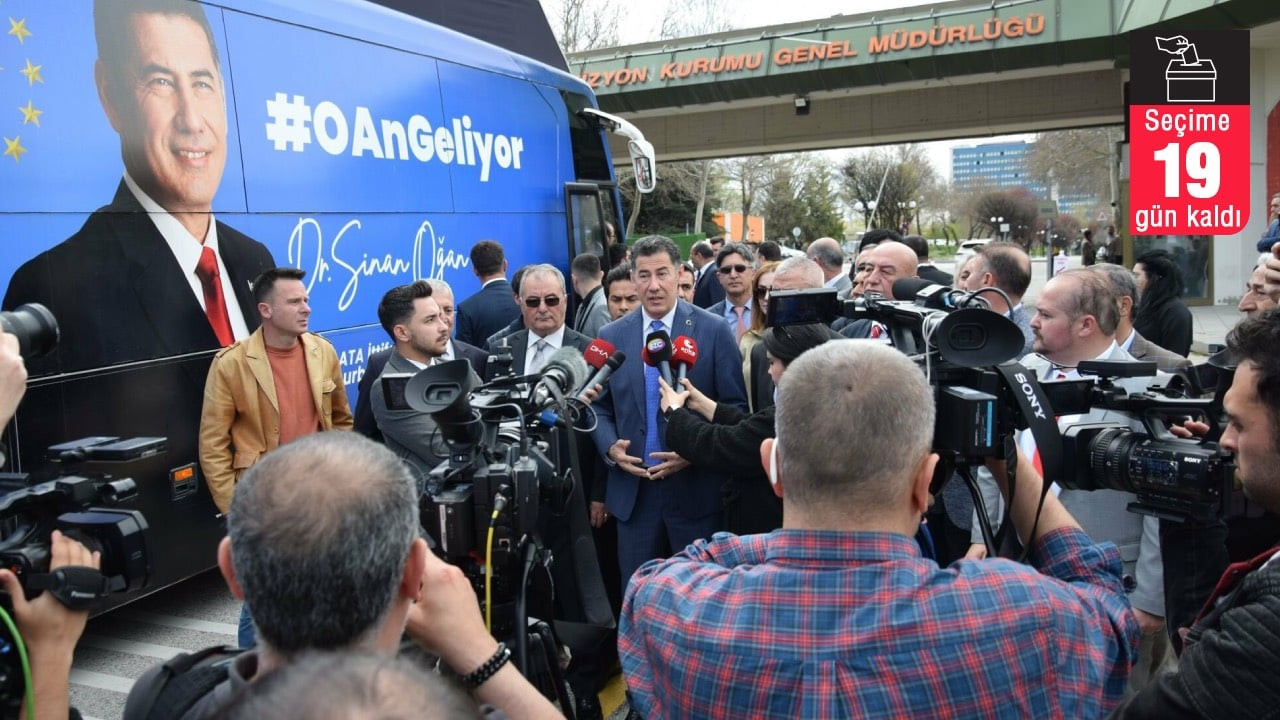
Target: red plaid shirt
(824, 624)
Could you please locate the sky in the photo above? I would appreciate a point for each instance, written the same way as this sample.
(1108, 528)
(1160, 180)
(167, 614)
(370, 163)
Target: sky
(642, 19)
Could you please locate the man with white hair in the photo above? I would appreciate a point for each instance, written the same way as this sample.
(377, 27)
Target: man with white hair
(830, 257)
(794, 273)
(838, 615)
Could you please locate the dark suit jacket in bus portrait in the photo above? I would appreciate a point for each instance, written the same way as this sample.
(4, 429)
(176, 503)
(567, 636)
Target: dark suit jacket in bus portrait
(119, 294)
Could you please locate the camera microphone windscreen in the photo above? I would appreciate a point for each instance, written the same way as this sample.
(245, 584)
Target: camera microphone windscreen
(657, 353)
(564, 371)
(684, 356)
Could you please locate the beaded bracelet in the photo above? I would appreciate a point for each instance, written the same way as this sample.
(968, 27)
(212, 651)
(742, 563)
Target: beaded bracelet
(477, 677)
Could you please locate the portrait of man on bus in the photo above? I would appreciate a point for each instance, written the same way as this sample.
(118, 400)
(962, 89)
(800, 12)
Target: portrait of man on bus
(153, 273)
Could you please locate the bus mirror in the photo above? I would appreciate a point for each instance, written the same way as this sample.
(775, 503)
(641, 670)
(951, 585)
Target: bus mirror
(642, 161)
(643, 158)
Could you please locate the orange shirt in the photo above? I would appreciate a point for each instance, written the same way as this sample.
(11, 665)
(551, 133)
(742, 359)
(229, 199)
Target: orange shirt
(298, 415)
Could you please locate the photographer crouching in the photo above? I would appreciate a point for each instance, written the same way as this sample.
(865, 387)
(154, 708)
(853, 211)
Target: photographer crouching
(838, 615)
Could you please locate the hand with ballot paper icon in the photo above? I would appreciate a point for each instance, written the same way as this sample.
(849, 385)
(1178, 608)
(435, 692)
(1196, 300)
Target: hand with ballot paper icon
(1188, 78)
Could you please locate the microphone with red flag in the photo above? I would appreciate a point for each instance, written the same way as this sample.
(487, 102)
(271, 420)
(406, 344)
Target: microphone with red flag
(600, 354)
(683, 356)
(657, 353)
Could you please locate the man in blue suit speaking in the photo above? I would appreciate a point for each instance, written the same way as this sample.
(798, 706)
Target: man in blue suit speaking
(661, 503)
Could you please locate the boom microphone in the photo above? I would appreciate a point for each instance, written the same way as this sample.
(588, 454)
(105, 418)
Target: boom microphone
(564, 371)
(601, 377)
(658, 353)
(683, 357)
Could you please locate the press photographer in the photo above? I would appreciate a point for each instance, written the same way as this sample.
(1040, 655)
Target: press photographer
(794, 622)
(502, 473)
(346, 570)
(1075, 321)
(1230, 667)
(49, 579)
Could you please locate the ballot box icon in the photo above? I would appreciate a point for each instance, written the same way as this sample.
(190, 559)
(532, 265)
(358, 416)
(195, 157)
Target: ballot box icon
(1188, 78)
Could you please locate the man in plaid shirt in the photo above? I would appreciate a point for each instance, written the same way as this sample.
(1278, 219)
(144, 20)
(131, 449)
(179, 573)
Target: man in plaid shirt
(837, 615)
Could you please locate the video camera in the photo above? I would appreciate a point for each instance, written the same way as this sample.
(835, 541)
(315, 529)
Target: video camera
(1173, 478)
(507, 494)
(983, 397)
(504, 464)
(966, 352)
(82, 507)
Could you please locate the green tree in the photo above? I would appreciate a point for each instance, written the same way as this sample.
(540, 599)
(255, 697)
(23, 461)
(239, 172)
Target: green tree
(1076, 161)
(888, 180)
(1017, 208)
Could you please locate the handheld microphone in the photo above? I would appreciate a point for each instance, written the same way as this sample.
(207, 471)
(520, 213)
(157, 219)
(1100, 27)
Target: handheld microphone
(683, 357)
(658, 353)
(603, 372)
(564, 371)
(598, 352)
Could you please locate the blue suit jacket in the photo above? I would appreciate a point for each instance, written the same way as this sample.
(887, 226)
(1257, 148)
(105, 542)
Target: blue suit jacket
(485, 313)
(708, 291)
(620, 411)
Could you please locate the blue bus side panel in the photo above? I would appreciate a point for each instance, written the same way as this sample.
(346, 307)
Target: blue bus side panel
(436, 156)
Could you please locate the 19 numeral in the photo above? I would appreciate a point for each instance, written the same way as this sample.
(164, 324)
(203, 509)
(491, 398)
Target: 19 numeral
(1203, 167)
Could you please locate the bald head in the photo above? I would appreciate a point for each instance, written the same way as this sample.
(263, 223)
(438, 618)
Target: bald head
(827, 253)
(877, 394)
(889, 261)
(320, 531)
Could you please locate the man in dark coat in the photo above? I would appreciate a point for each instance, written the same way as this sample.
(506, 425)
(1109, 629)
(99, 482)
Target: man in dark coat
(490, 309)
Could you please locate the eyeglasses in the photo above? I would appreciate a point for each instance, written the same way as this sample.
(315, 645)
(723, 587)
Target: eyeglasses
(764, 290)
(740, 269)
(550, 300)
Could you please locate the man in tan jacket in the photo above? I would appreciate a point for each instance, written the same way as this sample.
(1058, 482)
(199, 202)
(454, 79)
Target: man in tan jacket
(279, 384)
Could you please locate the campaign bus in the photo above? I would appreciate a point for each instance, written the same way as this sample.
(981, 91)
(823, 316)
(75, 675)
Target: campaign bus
(364, 146)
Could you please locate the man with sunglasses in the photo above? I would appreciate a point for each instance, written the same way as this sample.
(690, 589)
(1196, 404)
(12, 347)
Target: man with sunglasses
(736, 267)
(542, 305)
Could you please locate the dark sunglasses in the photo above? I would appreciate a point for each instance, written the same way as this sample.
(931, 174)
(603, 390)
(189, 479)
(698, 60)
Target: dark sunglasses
(740, 269)
(763, 290)
(550, 300)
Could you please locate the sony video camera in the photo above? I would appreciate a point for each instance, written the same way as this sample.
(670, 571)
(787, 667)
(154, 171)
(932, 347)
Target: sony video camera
(83, 507)
(1173, 478)
(965, 350)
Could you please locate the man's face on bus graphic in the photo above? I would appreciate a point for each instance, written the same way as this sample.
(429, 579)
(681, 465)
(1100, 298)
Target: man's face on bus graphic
(164, 96)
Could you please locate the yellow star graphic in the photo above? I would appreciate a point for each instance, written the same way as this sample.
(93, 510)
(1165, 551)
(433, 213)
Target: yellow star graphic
(14, 147)
(32, 72)
(18, 29)
(30, 114)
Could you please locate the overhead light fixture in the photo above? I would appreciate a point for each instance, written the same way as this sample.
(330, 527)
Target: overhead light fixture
(802, 105)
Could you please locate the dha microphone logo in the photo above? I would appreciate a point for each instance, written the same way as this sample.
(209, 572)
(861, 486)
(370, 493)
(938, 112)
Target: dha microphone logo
(598, 354)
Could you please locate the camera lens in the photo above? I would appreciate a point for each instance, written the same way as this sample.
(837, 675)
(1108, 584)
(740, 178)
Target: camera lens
(34, 326)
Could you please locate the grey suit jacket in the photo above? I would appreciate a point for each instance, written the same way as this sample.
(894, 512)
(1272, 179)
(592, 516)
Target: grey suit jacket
(1166, 361)
(594, 314)
(517, 343)
(411, 435)
(843, 284)
(1023, 321)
